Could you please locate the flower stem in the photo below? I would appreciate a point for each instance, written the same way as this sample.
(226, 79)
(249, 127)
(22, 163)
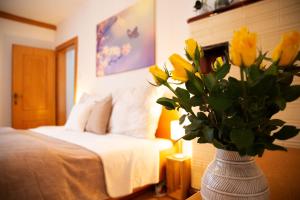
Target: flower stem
(244, 92)
(183, 103)
(170, 88)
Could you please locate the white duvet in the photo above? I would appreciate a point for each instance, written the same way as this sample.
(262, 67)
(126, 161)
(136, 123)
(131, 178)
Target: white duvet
(128, 162)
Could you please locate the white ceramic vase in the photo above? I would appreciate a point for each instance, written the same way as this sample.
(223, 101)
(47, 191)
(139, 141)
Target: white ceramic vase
(232, 177)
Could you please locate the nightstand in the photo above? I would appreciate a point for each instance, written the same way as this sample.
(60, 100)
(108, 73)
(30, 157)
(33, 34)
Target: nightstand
(196, 196)
(178, 176)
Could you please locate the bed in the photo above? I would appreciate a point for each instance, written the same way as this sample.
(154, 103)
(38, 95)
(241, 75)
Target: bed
(56, 163)
(48, 163)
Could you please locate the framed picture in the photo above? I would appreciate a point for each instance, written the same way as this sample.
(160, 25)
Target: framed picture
(126, 41)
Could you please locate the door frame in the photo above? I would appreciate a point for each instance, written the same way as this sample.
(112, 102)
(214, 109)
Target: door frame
(62, 48)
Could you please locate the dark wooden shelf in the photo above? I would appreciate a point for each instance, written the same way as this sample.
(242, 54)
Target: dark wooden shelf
(221, 10)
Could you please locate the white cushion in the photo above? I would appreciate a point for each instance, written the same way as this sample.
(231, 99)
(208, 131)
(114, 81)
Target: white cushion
(79, 116)
(99, 117)
(135, 112)
(86, 97)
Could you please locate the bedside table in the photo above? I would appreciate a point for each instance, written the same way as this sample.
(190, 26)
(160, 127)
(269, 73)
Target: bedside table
(178, 176)
(196, 196)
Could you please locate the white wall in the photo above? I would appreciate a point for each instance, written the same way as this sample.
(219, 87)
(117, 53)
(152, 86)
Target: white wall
(70, 77)
(171, 31)
(16, 33)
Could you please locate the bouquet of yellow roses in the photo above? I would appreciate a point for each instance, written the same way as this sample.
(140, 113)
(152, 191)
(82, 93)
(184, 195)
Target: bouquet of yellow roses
(235, 114)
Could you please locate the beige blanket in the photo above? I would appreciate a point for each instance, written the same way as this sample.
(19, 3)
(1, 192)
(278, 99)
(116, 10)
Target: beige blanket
(37, 167)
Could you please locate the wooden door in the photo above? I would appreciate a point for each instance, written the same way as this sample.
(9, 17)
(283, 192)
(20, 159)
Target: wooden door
(33, 87)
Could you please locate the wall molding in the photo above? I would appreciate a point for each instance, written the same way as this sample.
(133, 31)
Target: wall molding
(25, 20)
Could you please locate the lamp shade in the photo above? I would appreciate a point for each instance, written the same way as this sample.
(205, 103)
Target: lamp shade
(177, 131)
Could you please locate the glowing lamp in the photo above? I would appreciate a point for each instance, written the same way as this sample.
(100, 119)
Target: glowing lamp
(184, 148)
(177, 131)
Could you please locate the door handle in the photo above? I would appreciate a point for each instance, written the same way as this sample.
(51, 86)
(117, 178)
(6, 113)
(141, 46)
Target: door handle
(16, 97)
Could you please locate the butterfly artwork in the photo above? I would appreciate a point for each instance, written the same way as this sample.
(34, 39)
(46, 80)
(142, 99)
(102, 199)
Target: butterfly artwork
(133, 33)
(126, 41)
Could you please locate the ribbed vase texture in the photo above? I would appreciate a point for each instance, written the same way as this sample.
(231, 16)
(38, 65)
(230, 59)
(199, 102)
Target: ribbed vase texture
(232, 177)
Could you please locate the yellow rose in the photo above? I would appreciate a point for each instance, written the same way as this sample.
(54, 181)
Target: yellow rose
(190, 47)
(218, 63)
(243, 47)
(181, 66)
(287, 50)
(198, 75)
(159, 75)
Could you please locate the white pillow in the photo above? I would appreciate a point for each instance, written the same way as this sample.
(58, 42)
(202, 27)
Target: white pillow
(79, 116)
(135, 112)
(99, 117)
(86, 97)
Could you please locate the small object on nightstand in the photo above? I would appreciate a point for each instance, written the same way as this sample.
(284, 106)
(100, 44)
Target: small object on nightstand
(178, 176)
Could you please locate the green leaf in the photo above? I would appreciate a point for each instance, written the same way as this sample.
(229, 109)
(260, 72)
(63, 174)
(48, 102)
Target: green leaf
(280, 102)
(195, 125)
(194, 85)
(286, 78)
(183, 99)
(234, 122)
(181, 119)
(190, 136)
(197, 53)
(202, 140)
(274, 147)
(222, 71)
(272, 70)
(254, 123)
(234, 87)
(219, 103)
(169, 104)
(182, 94)
(276, 122)
(263, 86)
(254, 73)
(191, 88)
(286, 132)
(202, 116)
(196, 101)
(242, 138)
(208, 133)
(292, 93)
(256, 149)
(217, 144)
(209, 81)
(260, 58)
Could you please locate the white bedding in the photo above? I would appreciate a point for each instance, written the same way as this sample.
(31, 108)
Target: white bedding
(128, 162)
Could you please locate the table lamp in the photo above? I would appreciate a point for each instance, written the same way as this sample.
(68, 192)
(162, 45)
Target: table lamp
(177, 132)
